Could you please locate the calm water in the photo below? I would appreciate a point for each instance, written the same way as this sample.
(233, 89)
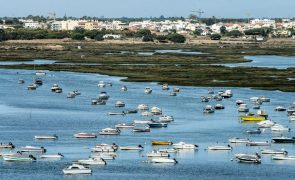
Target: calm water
(279, 62)
(24, 114)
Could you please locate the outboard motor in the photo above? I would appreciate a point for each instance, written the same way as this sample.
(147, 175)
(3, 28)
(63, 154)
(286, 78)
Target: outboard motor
(43, 149)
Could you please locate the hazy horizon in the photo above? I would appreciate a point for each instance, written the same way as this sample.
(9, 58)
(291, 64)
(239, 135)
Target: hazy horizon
(150, 8)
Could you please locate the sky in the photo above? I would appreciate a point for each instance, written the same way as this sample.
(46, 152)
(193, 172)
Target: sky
(149, 8)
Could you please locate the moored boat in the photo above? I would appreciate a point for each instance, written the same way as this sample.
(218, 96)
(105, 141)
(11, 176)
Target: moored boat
(248, 158)
(30, 158)
(155, 153)
(283, 157)
(8, 146)
(33, 149)
(110, 131)
(183, 145)
(238, 140)
(283, 139)
(137, 148)
(252, 118)
(164, 160)
(52, 156)
(77, 169)
(85, 135)
(92, 161)
(258, 143)
(45, 137)
(273, 151)
(155, 143)
(220, 148)
(148, 90)
(125, 125)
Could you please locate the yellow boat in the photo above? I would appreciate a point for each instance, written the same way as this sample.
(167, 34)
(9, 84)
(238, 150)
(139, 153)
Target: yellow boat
(154, 143)
(253, 118)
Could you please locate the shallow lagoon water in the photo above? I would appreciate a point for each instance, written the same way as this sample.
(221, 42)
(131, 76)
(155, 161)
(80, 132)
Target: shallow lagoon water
(24, 114)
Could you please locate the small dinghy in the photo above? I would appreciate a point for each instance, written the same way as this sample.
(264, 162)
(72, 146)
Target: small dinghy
(248, 158)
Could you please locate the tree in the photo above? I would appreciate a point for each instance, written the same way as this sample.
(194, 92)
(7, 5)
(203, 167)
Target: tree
(223, 30)
(99, 37)
(234, 33)
(161, 38)
(147, 38)
(143, 32)
(215, 37)
(77, 36)
(176, 38)
(2, 35)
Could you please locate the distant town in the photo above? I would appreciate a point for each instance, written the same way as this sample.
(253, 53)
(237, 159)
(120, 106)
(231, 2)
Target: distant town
(158, 28)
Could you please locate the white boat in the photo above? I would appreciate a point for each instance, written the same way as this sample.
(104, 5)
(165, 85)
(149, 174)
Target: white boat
(254, 99)
(120, 104)
(21, 81)
(218, 106)
(264, 99)
(124, 88)
(101, 84)
(77, 169)
(117, 113)
(9, 145)
(168, 150)
(110, 131)
(30, 158)
(71, 95)
(141, 128)
(163, 160)
(273, 151)
(52, 156)
(280, 108)
(40, 73)
(155, 153)
(279, 127)
(183, 145)
(238, 140)
(92, 161)
(243, 108)
(124, 125)
(148, 90)
(165, 87)
(54, 87)
(85, 135)
(258, 143)
(33, 149)
(283, 157)
(138, 148)
(103, 96)
(105, 148)
(239, 102)
(248, 158)
(166, 118)
(266, 123)
(173, 94)
(46, 137)
(176, 89)
(143, 107)
(32, 87)
(226, 94)
(142, 121)
(103, 156)
(220, 148)
(292, 117)
(146, 113)
(208, 109)
(156, 111)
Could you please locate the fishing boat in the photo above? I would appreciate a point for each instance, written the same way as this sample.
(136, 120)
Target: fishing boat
(161, 143)
(137, 148)
(77, 169)
(273, 151)
(266, 124)
(258, 143)
(124, 125)
(280, 108)
(238, 140)
(30, 158)
(279, 127)
(283, 157)
(283, 139)
(220, 148)
(163, 160)
(183, 145)
(92, 161)
(33, 149)
(8, 146)
(110, 131)
(52, 156)
(148, 90)
(252, 118)
(155, 153)
(248, 158)
(85, 135)
(143, 107)
(46, 137)
(165, 87)
(120, 104)
(101, 84)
